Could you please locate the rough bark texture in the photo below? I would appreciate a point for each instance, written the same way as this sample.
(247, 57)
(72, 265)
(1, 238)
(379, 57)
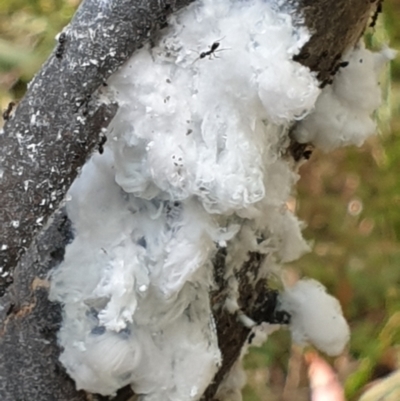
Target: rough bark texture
(337, 25)
(57, 124)
(49, 154)
(30, 322)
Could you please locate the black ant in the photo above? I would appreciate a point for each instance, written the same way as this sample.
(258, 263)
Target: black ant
(8, 110)
(103, 140)
(61, 45)
(210, 52)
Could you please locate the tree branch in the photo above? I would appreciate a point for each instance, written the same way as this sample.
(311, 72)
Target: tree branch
(97, 42)
(57, 124)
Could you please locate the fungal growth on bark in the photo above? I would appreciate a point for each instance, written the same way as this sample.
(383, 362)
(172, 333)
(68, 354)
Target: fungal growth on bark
(179, 219)
(195, 162)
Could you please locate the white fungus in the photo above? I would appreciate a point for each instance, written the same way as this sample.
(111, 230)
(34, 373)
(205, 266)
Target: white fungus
(195, 160)
(316, 317)
(343, 112)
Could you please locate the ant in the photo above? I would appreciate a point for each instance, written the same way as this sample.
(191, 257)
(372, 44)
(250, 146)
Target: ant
(212, 50)
(103, 140)
(8, 110)
(61, 45)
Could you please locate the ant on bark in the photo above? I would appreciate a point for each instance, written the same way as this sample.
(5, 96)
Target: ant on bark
(8, 110)
(61, 45)
(103, 140)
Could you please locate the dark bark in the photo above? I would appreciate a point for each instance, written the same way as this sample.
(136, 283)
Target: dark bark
(29, 367)
(57, 124)
(30, 321)
(337, 26)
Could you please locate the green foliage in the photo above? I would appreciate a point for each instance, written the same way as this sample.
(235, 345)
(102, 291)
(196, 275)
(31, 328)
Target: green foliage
(27, 32)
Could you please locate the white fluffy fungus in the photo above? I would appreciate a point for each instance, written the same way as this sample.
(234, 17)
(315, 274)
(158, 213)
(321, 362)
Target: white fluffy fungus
(343, 112)
(316, 317)
(195, 160)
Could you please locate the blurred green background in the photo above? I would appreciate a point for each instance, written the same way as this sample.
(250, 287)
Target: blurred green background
(349, 199)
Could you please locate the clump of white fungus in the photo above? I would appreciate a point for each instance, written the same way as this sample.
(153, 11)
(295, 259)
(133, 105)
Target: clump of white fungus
(316, 317)
(343, 112)
(195, 160)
